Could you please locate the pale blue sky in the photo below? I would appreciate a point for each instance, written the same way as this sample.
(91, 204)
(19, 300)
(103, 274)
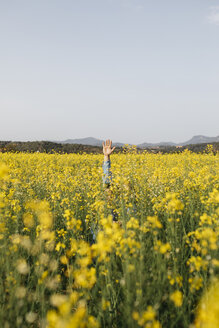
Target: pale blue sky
(132, 70)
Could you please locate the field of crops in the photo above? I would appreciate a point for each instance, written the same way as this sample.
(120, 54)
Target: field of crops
(64, 263)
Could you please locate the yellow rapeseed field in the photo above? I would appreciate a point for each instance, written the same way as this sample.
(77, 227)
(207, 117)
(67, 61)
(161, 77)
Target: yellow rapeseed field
(65, 263)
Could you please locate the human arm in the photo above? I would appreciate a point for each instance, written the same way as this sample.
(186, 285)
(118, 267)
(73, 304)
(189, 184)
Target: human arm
(107, 151)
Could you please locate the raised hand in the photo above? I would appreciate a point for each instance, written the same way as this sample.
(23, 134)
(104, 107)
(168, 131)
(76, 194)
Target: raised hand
(107, 149)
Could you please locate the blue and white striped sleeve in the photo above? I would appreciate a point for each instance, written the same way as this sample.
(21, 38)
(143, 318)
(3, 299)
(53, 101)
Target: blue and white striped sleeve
(107, 174)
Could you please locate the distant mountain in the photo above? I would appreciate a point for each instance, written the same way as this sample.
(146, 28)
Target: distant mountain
(90, 141)
(147, 145)
(84, 141)
(194, 140)
(199, 139)
(97, 142)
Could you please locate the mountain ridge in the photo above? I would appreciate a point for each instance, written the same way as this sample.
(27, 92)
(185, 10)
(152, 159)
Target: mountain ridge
(98, 142)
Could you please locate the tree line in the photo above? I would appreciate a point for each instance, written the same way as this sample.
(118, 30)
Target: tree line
(53, 147)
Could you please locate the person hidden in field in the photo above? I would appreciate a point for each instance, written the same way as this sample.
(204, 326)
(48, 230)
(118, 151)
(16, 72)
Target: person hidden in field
(107, 177)
(107, 174)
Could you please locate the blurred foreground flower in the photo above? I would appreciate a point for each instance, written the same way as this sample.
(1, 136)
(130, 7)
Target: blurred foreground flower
(208, 311)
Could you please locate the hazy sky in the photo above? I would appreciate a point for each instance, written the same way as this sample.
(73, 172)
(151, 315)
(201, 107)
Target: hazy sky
(132, 70)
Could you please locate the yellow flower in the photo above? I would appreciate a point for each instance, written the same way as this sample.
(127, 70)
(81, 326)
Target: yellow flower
(105, 304)
(177, 298)
(147, 318)
(4, 171)
(28, 220)
(208, 310)
(195, 283)
(162, 248)
(154, 222)
(149, 315)
(59, 246)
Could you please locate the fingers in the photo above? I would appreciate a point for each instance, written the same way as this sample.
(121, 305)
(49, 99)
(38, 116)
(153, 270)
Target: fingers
(108, 143)
(113, 149)
(103, 144)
